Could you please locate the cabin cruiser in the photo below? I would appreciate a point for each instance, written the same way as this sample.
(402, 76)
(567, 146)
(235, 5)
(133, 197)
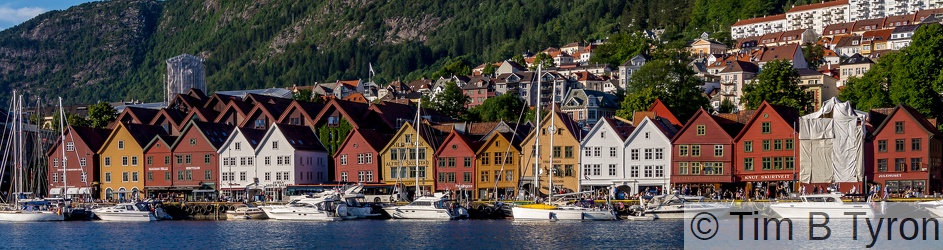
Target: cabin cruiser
(139, 211)
(830, 204)
(673, 206)
(321, 208)
(562, 212)
(437, 207)
(246, 212)
(33, 210)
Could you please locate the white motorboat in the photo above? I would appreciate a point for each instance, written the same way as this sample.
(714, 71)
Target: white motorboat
(322, 208)
(141, 211)
(33, 210)
(555, 213)
(830, 204)
(437, 207)
(357, 208)
(672, 206)
(246, 212)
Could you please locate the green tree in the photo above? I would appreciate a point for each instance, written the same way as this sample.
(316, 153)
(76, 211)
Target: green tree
(726, 106)
(620, 48)
(302, 95)
(489, 69)
(814, 54)
(543, 59)
(519, 59)
(668, 80)
(451, 101)
(871, 90)
(506, 107)
(101, 114)
(72, 120)
(456, 67)
(777, 83)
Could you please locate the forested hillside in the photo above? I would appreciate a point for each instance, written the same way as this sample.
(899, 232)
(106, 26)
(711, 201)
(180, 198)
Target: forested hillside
(115, 50)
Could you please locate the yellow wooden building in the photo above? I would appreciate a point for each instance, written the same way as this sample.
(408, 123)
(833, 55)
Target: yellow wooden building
(565, 151)
(497, 171)
(122, 161)
(402, 158)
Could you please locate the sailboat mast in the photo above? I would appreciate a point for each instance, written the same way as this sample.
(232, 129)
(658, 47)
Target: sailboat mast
(65, 180)
(18, 112)
(537, 140)
(553, 130)
(418, 113)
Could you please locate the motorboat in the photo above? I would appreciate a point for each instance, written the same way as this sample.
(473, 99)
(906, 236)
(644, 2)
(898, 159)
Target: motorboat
(246, 212)
(131, 211)
(29, 210)
(436, 207)
(564, 212)
(320, 208)
(357, 207)
(673, 206)
(830, 204)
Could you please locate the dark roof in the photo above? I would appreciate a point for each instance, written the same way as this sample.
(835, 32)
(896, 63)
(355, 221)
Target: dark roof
(515, 65)
(142, 114)
(789, 114)
(94, 138)
(216, 133)
(167, 139)
(856, 59)
(846, 41)
(143, 134)
(740, 66)
(376, 139)
(301, 137)
(623, 129)
(928, 127)
(254, 136)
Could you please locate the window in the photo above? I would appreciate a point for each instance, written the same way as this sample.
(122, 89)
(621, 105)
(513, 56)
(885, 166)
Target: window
(659, 171)
(509, 175)
(370, 176)
(108, 177)
(597, 151)
(167, 175)
(568, 170)
(268, 176)
(915, 144)
(238, 146)
(882, 165)
(748, 146)
(360, 159)
(180, 159)
(124, 177)
(915, 164)
(484, 176)
(748, 164)
(166, 160)
(55, 162)
(648, 153)
(695, 150)
(789, 144)
(486, 159)
(451, 161)
(899, 127)
(701, 129)
(70, 146)
(718, 150)
(587, 169)
(242, 175)
(275, 145)
(343, 176)
(422, 153)
(556, 152)
(180, 175)
(467, 162)
(765, 145)
(409, 138)
(84, 177)
(134, 176)
(55, 177)
(682, 168)
(588, 152)
(206, 159)
(882, 145)
(900, 164)
(361, 176)
(192, 141)
(268, 160)
(189, 159)
(343, 159)
(208, 175)
(597, 170)
(777, 163)
(633, 171)
(612, 169)
(124, 161)
(683, 150)
(120, 144)
(649, 171)
(634, 154)
(659, 153)
(369, 157)
(83, 162)
(568, 151)
(790, 162)
(766, 129)
(899, 145)
(777, 144)
(767, 163)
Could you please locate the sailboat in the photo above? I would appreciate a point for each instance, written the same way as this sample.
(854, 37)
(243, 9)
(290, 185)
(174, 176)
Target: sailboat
(25, 206)
(437, 207)
(548, 211)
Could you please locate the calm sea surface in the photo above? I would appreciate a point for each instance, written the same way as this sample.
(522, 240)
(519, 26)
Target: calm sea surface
(363, 234)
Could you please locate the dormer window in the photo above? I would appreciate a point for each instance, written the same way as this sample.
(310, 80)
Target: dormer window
(260, 123)
(333, 121)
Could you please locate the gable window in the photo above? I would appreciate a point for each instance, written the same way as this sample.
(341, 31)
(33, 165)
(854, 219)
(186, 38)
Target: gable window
(70, 146)
(612, 151)
(899, 127)
(915, 144)
(192, 141)
(659, 153)
(568, 151)
(238, 146)
(120, 144)
(124, 161)
(701, 129)
(789, 144)
(766, 129)
(648, 153)
(882, 145)
(777, 144)
(260, 123)
(275, 145)
(635, 154)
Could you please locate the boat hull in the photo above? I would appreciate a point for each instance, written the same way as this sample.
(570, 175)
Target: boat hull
(801, 211)
(521, 213)
(126, 216)
(290, 213)
(28, 216)
(233, 215)
(405, 212)
(679, 213)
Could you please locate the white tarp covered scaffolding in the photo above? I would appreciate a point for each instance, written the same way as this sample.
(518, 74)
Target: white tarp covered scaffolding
(831, 144)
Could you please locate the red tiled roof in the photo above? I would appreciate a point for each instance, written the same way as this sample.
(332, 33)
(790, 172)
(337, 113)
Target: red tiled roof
(760, 19)
(660, 109)
(817, 6)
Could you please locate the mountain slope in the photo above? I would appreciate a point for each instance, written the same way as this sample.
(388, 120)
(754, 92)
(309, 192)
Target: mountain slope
(113, 50)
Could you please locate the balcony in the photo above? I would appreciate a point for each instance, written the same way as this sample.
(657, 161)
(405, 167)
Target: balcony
(728, 93)
(728, 82)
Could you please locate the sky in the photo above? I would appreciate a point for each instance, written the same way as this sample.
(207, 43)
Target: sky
(13, 12)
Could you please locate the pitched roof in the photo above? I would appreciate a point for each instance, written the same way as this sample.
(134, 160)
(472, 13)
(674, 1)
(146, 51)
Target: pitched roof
(254, 136)
(141, 114)
(308, 109)
(780, 17)
(143, 134)
(94, 138)
(856, 59)
(300, 137)
(661, 109)
(785, 52)
(924, 123)
(215, 133)
(838, 28)
(847, 41)
(813, 6)
(167, 139)
(869, 24)
(376, 139)
(740, 66)
(623, 129)
(788, 114)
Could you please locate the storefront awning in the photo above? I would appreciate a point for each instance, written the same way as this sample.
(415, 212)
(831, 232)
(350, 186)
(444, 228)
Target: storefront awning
(83, 190)
(55, 191)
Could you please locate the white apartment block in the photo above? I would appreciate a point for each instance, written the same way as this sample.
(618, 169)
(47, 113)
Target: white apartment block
(817, 16)
(758, 26)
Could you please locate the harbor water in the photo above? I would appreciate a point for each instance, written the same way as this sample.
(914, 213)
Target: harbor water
(362, 234)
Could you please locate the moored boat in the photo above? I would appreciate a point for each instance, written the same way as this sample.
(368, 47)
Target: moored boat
(566, 212)
(437, 207)
(140, 211)
(830, 204)
(673, 206)
(246, 212)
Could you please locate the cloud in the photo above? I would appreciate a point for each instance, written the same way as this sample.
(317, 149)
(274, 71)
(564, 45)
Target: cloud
(19, 15)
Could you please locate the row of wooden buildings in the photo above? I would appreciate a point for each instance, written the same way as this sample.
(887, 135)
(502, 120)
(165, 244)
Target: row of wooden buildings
(248, 145)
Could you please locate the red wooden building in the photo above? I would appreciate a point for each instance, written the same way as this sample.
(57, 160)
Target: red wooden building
(907, 153)
(703, 152)
(767, 156)
(196, 162)
(358, 158)
(81, 176)
(158, 166)
(455, 163)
